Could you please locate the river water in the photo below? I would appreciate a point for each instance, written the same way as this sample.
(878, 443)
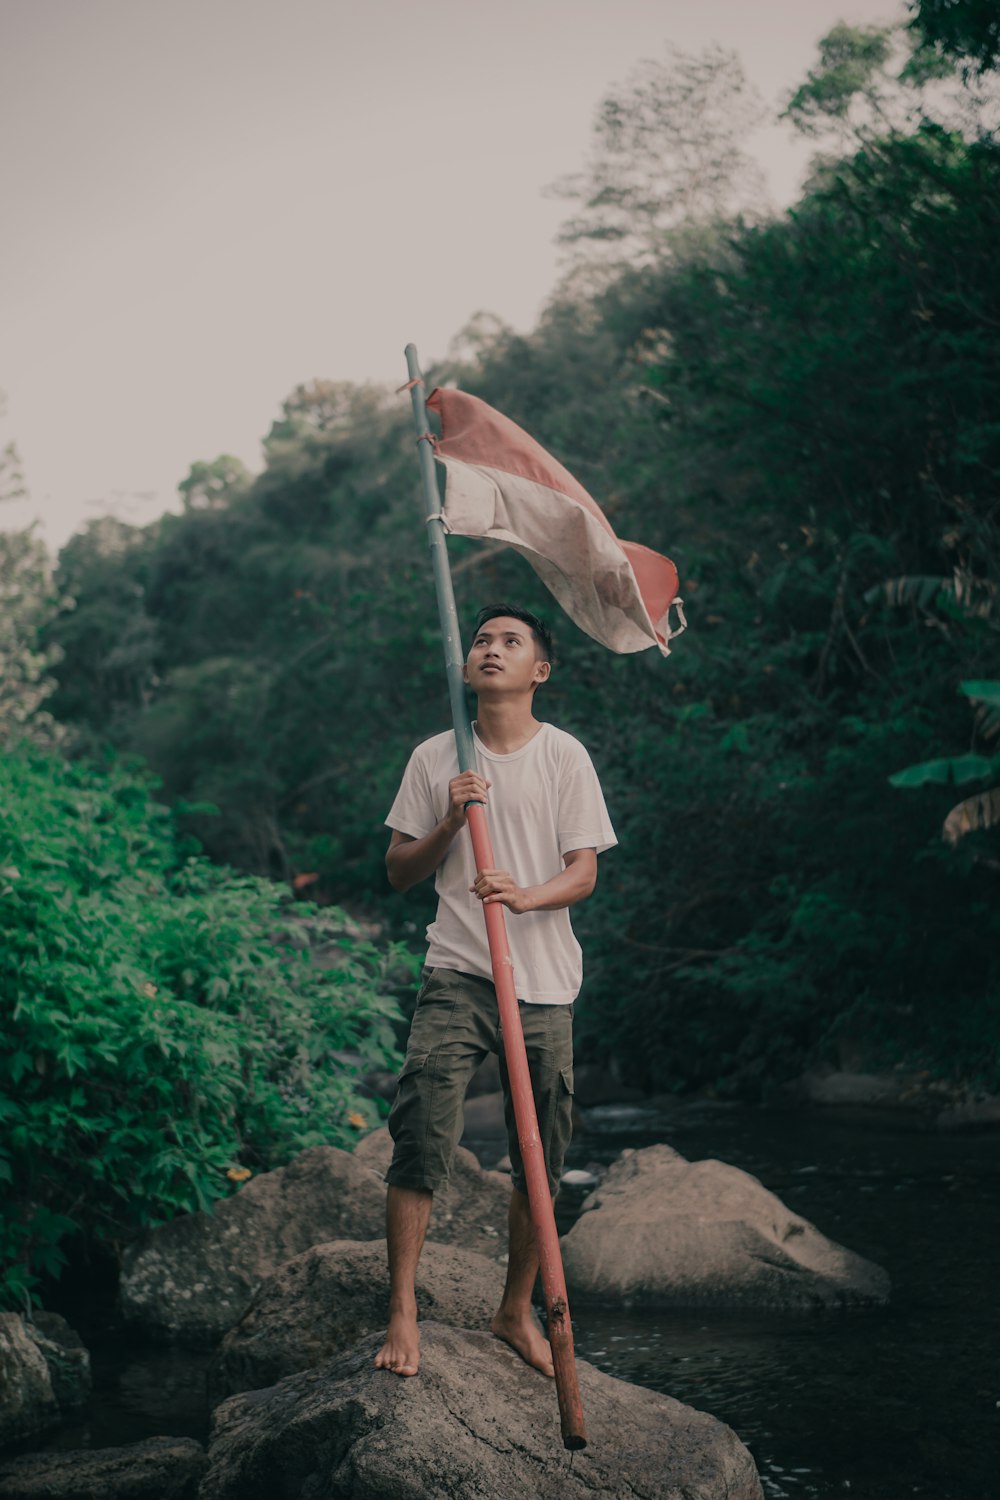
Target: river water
(877, 1405)
(885, 1404)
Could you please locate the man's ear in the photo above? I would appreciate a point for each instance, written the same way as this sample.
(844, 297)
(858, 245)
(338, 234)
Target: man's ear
(543, 670)
(465, 672)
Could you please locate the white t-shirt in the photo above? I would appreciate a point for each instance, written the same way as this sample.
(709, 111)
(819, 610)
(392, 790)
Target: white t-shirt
(545, 801)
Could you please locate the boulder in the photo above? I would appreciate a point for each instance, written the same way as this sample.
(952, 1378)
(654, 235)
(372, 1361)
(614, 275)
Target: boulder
(661, 1230)
(190, 1280)
(486, 1078)
(320, 1303)
(477, 1421)
(970, 1114)
(161, 1468)
(484, 1119)
(68, 1360)
(28, 1403)
(881, 1089)
(596, 1083)
(471, 1212)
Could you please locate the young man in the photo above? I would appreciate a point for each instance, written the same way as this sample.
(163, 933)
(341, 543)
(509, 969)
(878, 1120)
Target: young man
(548, 823)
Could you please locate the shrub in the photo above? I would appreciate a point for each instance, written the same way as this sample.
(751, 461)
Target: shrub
(165, 1027)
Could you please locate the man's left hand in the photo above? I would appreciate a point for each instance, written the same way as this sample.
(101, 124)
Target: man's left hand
(499, 885)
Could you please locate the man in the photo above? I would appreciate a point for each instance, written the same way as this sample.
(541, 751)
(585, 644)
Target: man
(548, 823)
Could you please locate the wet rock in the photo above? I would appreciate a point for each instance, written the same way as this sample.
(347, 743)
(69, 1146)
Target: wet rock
(882, 1089)
(161, 1468)
(66, 1356)
(664, 1231)
(323, 1301)
(484, 1118)
(486, 1078)
(192, 1279)
(579, 1180)
(971, 1114)
(917, 1094)
(616, 1119)
(594, 1084)
(470, 1212)
(28, 1403)
(477, 1421)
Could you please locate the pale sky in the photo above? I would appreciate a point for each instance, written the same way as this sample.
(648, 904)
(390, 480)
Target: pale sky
(208, 202)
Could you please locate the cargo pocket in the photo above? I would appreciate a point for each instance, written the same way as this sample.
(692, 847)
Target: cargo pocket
(415, 1064)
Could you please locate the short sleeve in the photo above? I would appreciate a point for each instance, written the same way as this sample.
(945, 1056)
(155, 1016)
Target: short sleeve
(413, 811)
(583, 816)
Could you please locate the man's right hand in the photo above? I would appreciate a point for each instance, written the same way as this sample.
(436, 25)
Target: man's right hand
(467, 787)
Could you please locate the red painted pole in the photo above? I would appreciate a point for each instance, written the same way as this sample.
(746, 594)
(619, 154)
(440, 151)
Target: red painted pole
(560, 1330)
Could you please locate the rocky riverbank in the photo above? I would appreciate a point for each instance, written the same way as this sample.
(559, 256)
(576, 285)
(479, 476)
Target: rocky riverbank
(287, 1283)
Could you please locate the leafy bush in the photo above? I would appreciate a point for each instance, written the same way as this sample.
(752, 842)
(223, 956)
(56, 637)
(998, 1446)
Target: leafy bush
(167, 1026)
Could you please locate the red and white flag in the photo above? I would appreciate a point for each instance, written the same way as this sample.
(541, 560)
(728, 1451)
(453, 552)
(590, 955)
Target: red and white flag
(502, 485)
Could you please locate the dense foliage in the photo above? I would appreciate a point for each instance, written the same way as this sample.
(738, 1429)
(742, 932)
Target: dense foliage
(802, 411)
(168, 1027)
(967, 29)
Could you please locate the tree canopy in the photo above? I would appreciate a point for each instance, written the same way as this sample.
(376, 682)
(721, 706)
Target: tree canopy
(801, 409)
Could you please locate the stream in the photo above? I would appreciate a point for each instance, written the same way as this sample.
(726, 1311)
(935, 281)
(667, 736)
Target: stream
(874, 1405)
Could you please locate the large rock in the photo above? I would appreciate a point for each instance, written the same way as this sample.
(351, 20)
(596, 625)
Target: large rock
(663, 1230)
(476, 1421)
(28, 1403)
(323, 1301)
(161, 1468)
(68, 1360)
(471, 1212)
(191, 1279)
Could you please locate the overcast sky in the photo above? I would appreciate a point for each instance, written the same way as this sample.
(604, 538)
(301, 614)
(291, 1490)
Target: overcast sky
(207, 202)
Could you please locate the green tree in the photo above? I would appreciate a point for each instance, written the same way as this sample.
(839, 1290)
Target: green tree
(667, 158)
(26, 605)
(961, 28)
(209, 485)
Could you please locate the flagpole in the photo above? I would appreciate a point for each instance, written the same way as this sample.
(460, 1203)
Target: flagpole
(560, 1329)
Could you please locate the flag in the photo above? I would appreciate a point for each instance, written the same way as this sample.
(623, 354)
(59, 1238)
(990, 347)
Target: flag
(502, 485)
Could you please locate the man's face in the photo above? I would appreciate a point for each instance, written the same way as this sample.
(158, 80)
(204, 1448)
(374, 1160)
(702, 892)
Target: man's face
(503, 658)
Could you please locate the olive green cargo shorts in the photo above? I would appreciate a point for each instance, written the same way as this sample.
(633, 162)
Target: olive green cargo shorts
(455, 1025)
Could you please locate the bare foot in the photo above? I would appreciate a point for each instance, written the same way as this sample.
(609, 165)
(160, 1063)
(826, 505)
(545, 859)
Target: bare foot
(524, 1335)
(401, 1350)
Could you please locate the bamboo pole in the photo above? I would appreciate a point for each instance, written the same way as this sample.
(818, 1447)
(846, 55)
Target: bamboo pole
(560, 1329)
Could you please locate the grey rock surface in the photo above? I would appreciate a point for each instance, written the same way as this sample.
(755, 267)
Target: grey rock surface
(323, 1301)
(880, 1089)
(971, 1114)
(470, 1212)
(27, 1401)
(661, 1230)
(190, 1280)
(477, 1421)
(68, 1360)
(161, 1468)
(484, 1118)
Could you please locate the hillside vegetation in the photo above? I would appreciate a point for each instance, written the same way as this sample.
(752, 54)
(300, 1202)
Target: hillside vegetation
(802, 410)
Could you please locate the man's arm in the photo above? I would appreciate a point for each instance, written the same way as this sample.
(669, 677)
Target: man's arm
(409, 860)
(572, 884)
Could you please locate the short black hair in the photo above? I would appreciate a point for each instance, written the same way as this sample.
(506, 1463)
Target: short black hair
(541, 633)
